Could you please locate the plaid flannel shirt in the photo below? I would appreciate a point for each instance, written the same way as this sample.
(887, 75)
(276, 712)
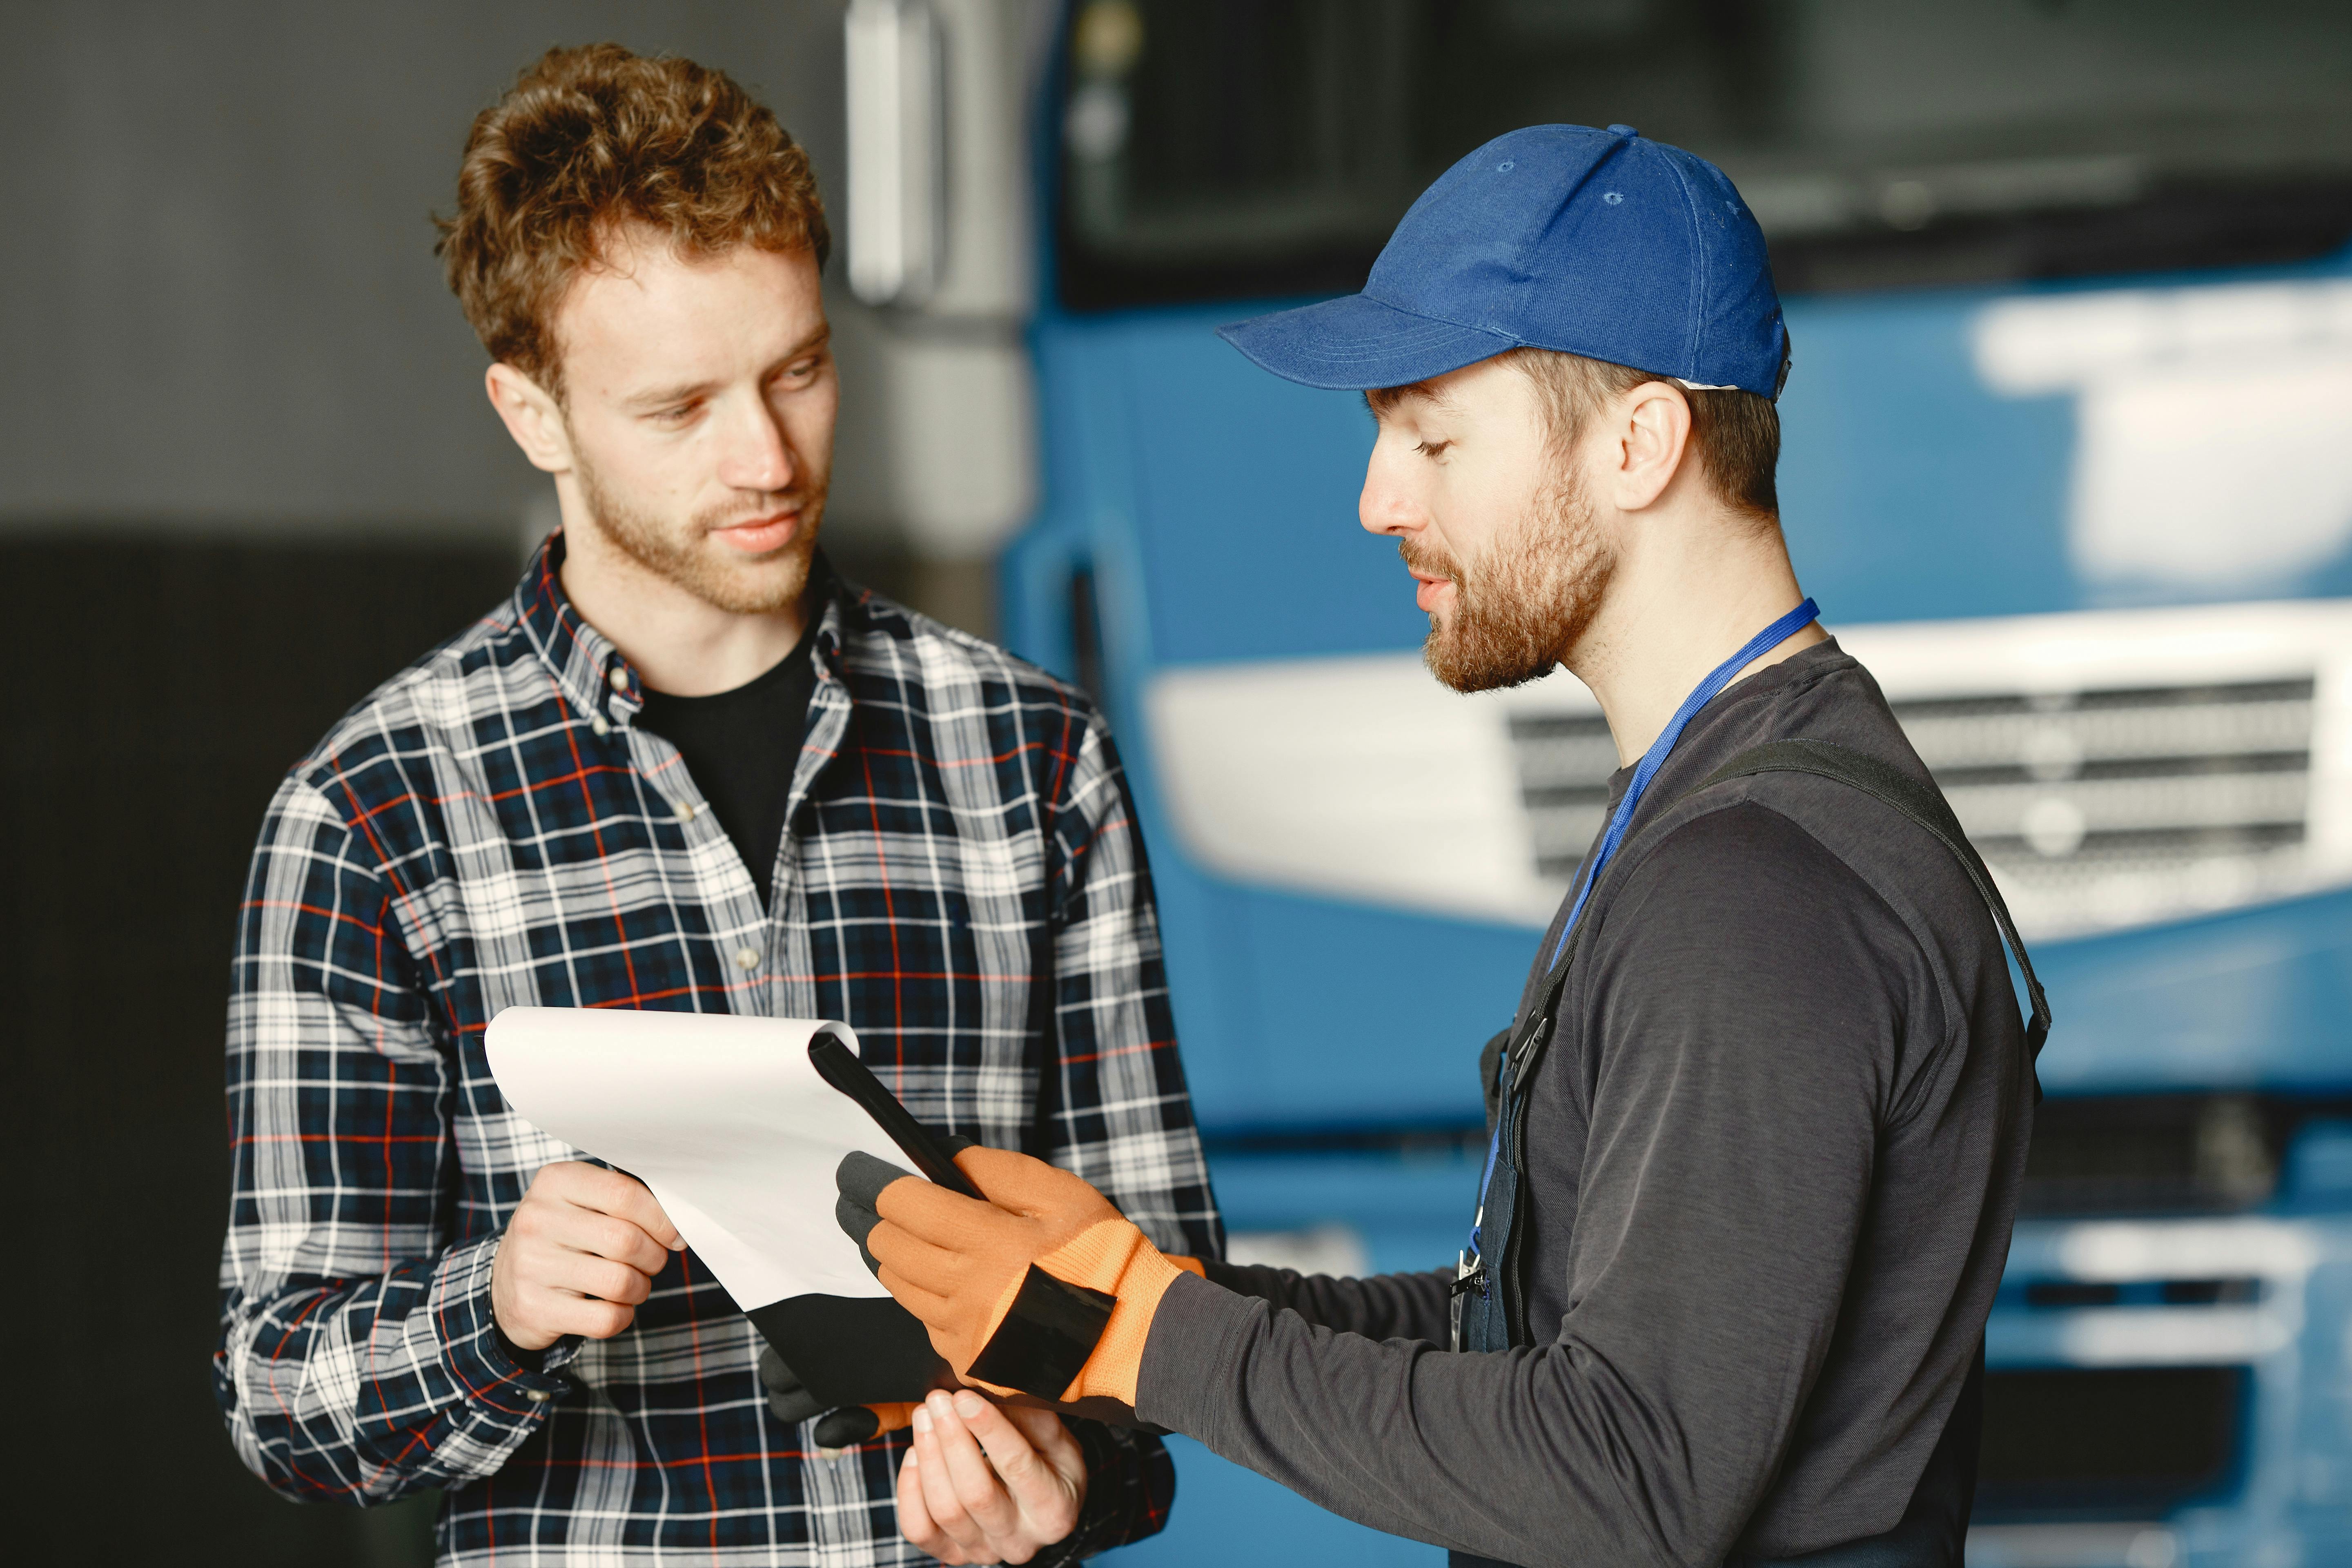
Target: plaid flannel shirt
(960, 880)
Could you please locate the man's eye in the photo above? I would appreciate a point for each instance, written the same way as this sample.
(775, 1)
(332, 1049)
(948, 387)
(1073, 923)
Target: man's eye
(677, 414)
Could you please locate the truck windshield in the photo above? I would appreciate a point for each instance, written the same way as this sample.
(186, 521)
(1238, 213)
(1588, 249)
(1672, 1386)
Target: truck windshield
(1223, 148)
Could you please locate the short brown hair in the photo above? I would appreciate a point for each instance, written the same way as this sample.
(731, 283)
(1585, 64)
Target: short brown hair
(1736, 434)
(592, 137)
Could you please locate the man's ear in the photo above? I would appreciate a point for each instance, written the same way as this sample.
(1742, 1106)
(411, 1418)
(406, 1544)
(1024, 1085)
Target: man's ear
(1652, 433)
(532, 417)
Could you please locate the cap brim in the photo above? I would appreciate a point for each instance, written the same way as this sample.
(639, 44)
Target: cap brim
(1357, 344)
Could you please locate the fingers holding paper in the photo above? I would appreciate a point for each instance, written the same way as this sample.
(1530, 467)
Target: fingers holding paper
(577, 1255)
(986, 1484)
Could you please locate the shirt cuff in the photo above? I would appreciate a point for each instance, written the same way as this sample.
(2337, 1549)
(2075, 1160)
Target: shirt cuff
(1130, 1484)
(473, 1349)
(1187, 1374)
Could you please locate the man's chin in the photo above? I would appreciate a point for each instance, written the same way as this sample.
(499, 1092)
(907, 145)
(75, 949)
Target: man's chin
(1473, 669)
(748, 585)
(1445, 662)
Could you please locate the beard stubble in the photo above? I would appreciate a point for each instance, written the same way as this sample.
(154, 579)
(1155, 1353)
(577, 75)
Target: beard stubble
(1523, 601)
(674, 552)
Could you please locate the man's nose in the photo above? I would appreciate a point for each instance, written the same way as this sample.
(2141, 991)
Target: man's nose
(1384, 507)
(759, 453)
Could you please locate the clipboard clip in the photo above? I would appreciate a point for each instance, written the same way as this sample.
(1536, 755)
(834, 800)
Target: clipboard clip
(839, 1065)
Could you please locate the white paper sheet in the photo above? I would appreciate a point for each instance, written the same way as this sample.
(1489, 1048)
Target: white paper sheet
(722, 1117)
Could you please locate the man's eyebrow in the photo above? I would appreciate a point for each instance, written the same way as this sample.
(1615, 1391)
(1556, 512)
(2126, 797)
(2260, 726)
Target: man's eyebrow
(666, 397)
(821, 338)
(1385, 399)
(685, 392)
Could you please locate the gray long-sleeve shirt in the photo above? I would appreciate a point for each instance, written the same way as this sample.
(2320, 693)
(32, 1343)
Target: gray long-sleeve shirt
(1773, 1152)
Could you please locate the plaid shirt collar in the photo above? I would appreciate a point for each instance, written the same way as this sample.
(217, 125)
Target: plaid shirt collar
(597, 678)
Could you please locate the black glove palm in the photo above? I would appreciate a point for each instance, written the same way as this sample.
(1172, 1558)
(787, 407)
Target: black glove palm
(837, 1356)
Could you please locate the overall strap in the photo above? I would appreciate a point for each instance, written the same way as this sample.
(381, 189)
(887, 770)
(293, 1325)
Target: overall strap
(1922, 803)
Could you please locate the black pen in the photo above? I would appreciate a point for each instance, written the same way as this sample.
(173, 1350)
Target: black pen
(838, 1066)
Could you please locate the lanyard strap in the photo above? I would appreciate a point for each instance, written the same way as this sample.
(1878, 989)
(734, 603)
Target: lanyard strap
(1653, 759)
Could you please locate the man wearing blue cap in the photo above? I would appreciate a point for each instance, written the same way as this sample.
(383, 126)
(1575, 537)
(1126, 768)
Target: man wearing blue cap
(1759, 1121)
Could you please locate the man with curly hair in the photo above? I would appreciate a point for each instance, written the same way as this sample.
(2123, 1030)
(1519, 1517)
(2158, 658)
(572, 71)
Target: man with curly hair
(684, 766)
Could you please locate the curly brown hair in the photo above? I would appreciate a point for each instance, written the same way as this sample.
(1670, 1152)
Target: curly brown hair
(595, 136)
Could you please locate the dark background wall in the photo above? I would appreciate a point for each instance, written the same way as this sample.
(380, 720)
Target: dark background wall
(219, 298)
(164, 686)
(246, 472)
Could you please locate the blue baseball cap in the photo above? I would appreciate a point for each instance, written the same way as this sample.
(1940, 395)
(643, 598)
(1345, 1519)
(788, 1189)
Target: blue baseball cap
(1600, 243)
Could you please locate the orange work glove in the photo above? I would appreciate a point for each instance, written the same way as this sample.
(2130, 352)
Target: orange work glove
(1045, 1289)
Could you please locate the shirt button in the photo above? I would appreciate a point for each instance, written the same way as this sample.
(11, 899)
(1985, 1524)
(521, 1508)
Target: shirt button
(747, 958)
(683, 811)
(620, 677)
(602, 725)
(539, 1396)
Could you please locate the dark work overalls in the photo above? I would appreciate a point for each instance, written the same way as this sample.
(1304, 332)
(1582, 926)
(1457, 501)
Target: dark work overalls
(1490, 1296)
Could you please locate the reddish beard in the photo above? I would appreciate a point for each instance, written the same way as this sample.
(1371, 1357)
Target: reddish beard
(681, 553)
(1523, 602)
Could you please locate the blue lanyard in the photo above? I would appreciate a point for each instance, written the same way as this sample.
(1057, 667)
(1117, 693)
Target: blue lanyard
(1653, 759)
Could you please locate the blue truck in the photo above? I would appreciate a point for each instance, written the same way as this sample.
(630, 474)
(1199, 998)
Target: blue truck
(2068, 463)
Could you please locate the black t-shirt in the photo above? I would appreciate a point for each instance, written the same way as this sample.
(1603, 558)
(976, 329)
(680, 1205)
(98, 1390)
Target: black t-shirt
(740, 747)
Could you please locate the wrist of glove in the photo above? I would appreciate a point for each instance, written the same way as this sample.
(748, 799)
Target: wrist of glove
(1045, 1289)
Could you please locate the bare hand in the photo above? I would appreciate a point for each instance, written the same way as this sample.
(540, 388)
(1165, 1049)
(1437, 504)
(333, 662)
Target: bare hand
(987, 1483)
(580, 1253)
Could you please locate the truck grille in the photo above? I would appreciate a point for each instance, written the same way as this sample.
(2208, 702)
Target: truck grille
(2157, 1153)
(2061, 795)
(2109, 805)
(2115, 1441)
(1565, 761)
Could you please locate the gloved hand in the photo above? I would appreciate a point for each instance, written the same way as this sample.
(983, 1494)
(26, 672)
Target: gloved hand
(859, 1362)
(867, 1362)
(1045, 1289)
(839, 1428)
